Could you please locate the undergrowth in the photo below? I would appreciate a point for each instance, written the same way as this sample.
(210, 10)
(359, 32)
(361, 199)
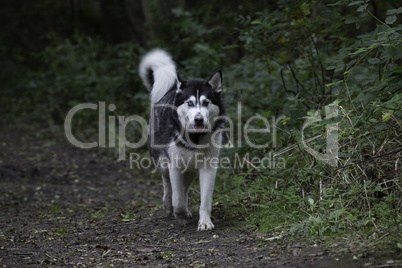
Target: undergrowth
(361, 193)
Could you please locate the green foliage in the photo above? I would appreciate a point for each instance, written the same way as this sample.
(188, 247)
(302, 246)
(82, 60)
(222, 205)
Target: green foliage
(298, 36)
(78, 70)
(99, 214)
(61, 232)
(363, 78)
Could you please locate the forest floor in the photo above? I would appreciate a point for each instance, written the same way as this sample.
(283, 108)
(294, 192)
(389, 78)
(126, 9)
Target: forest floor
(67, 207)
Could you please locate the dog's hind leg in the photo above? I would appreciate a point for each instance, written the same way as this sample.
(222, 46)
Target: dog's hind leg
(167, 195)
(207, 183)
(179, 199)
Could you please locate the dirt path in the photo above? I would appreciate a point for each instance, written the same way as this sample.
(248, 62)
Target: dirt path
(67, 207)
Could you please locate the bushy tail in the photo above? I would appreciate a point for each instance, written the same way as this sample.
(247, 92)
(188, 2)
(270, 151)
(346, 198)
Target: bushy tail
(158, 73)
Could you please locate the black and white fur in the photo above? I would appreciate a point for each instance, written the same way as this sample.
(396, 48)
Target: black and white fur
(186, 132)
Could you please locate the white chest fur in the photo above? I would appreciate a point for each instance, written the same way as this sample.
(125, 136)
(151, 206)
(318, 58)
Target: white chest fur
(190, 160)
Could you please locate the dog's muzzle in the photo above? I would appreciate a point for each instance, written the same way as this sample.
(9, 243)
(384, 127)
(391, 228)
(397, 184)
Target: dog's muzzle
(199, 122)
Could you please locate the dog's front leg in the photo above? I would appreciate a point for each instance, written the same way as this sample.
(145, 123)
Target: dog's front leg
(207, 183)
(178, 195)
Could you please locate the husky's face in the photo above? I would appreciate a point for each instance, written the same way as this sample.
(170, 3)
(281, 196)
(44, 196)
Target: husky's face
(199, 103)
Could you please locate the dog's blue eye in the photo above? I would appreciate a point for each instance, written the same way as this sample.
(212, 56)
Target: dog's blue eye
(205, 103)
(190, 103)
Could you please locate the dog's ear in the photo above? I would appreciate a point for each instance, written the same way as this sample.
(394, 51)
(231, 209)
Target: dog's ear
(180, 82)
(216, 81)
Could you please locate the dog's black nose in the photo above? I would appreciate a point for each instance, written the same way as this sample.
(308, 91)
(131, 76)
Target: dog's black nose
(198, 119)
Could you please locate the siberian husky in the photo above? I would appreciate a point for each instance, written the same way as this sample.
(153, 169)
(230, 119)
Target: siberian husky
(186, 132)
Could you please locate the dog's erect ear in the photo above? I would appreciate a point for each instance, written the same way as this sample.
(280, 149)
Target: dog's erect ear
(180, 82)
(180, 79)
(216, 81)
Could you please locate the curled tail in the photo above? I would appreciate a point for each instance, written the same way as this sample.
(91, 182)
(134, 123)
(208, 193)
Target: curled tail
(158, 73)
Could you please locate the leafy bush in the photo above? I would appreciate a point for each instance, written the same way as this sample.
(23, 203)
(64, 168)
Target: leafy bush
(79, 70)
(309, 197)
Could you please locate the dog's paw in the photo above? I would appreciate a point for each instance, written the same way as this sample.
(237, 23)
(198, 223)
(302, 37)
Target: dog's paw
(181, 221)
(189, 215)
(181, 217)
(168, 209)
(205, 226)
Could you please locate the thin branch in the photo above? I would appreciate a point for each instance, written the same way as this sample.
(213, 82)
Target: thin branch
(291, 91)
(297, 80)
(284, 84)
